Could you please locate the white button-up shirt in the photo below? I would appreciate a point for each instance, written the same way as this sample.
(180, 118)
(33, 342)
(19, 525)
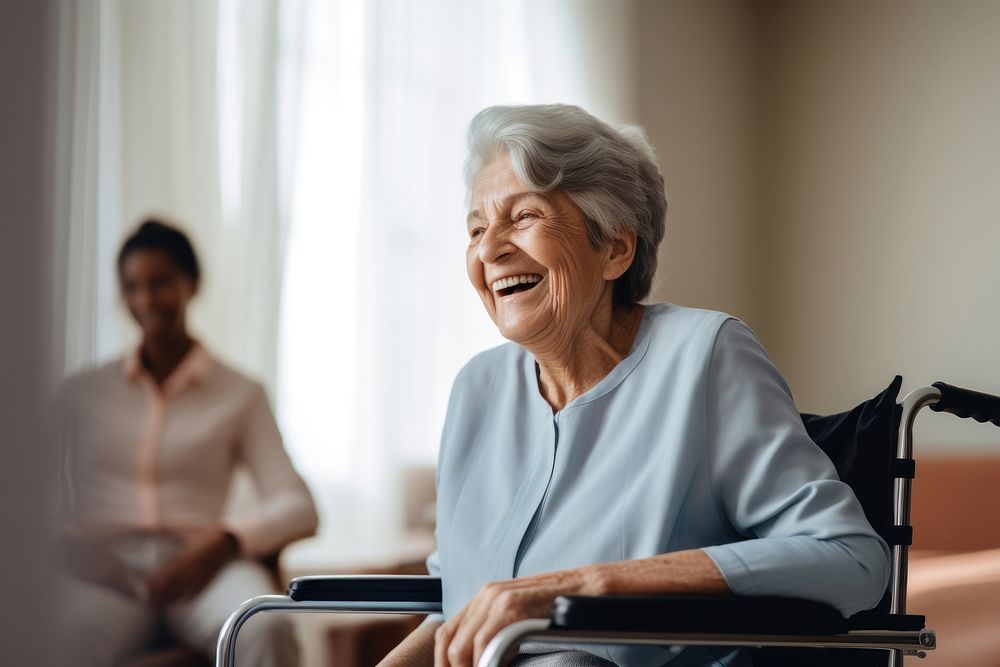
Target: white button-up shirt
(145, 457)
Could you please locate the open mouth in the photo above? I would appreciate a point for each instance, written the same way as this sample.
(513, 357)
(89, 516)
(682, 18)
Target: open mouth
(515, 284)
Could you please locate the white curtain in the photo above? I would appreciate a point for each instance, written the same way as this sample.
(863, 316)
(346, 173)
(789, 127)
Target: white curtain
(377, 313)
(314, 150)
(87, 206)
(173, 109)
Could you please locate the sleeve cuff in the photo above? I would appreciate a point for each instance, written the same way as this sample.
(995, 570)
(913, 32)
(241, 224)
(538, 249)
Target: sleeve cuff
(734, 570)
(235, 539)
(244, 535)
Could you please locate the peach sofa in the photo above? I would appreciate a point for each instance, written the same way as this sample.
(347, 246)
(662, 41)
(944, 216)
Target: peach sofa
(954, 576)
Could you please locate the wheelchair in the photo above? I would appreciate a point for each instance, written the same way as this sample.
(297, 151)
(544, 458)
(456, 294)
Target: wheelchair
(872, 449)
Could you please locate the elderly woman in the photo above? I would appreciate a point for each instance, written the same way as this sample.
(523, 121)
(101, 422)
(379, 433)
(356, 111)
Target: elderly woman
(612, 447)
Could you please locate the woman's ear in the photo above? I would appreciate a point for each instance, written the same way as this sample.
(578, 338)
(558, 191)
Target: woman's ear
(621, 252)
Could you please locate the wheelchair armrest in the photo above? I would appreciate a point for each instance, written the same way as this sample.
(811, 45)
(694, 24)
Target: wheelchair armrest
(368, 588)
(697, 614)
(872, 620)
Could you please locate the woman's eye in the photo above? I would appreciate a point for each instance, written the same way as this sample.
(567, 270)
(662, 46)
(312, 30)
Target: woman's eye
(476, 232)
(525, 216)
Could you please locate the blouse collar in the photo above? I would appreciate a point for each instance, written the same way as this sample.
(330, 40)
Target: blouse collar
(617, 375)
(193, 369)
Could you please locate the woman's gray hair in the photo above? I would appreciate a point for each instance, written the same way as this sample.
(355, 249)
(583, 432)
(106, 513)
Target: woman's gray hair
(609, 173)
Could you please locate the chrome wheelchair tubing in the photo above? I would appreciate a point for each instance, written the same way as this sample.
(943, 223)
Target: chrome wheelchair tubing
(912, 404)
(225, 647)
(503, 647)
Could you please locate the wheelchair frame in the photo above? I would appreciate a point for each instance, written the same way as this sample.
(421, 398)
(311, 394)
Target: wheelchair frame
(503, 647)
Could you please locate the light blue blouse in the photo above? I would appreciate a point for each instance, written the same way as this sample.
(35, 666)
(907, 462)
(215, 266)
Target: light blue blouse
(690, 441)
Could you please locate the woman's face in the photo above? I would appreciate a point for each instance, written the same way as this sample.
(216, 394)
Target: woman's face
(156, 292)
(530, 259)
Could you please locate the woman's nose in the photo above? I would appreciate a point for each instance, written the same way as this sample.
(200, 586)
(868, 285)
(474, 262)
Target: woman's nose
(494, 244)
(141, 298)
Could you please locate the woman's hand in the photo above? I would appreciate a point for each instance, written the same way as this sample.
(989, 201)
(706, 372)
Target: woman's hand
(461, 641)
(187, 573)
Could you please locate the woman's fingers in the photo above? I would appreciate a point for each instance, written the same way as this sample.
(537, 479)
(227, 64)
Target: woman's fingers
(173, 585)
(159, 585)
(167, 584)
(442, 639)
(474, 618)
(507, 606)
(461, 641)
(485, 633)
(189, 571)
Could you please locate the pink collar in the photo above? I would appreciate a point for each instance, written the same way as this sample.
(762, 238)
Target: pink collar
(194, 369)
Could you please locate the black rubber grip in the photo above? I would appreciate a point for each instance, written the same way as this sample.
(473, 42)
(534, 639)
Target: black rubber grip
(967, 403)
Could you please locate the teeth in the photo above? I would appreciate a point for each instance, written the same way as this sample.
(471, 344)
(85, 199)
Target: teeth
(510, 281)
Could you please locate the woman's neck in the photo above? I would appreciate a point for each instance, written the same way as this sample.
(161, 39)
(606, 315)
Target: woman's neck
(572, 368)
(161, 355)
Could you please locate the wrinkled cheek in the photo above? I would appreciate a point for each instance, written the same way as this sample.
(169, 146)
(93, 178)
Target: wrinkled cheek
(488, 304)
(566, 290)
(561, 295)
(474, 269)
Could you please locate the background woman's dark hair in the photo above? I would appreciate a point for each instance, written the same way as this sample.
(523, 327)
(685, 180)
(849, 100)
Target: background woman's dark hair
(156, 235)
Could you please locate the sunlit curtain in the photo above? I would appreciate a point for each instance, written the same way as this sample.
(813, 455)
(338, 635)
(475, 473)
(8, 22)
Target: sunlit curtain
(377, 313)
(313, 148)
(175, 109)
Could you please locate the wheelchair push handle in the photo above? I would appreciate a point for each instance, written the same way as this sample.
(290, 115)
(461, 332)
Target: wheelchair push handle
(966, 403)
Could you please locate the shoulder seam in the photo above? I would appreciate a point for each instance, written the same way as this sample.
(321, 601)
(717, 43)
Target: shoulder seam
(720, 512)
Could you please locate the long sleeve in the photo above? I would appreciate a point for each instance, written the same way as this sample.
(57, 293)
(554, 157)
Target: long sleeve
(807, 535)
(286, 511)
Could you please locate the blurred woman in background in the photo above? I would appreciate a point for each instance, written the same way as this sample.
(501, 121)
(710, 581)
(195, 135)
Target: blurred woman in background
(151, 442)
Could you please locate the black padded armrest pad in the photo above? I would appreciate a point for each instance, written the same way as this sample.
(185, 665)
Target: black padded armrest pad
(870, 620)
(372, 588)
(697, 614)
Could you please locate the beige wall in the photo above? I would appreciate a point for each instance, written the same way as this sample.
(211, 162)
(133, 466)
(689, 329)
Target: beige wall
(696, 97)
(882, 213)
(833, 170)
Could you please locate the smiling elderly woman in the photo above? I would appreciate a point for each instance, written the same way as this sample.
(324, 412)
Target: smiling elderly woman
(611, 447)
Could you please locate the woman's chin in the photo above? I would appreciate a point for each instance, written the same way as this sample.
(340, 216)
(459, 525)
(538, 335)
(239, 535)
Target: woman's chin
(517, 330)
(158, 331)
